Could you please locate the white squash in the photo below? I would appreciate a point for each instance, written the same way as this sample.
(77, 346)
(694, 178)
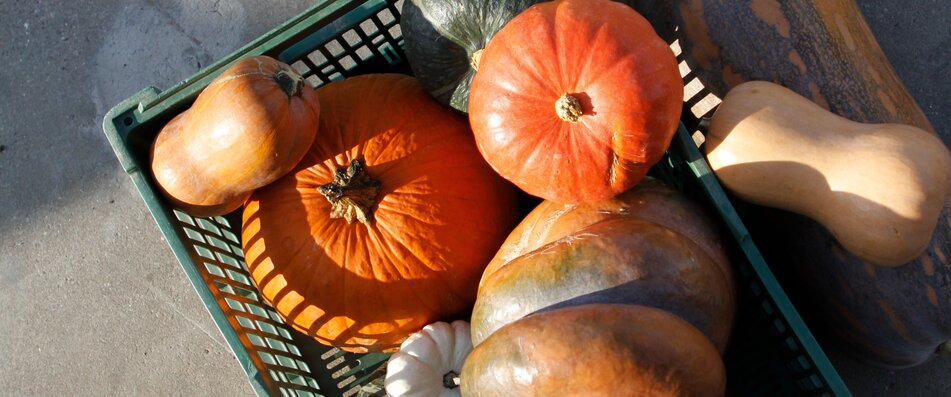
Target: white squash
(429, 362)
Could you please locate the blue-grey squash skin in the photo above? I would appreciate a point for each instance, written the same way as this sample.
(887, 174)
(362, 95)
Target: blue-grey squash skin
(441, 36)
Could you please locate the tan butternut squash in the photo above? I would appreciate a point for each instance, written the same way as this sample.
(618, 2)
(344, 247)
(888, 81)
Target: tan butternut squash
(878, 188)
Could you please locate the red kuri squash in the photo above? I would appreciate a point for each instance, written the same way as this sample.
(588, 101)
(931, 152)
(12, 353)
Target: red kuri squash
(575, 100)
(386, 224)
(250, 126)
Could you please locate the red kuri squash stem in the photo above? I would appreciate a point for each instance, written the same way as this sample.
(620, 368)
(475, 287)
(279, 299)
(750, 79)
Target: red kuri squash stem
(568, 108)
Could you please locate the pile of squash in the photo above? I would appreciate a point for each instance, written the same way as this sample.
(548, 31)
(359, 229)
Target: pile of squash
(377, 207)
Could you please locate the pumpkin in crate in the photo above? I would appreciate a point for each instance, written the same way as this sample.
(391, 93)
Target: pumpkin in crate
(648, 246)
(595, 350)
(386, 224)
(250, 126)
(445, 39)
(575, 100)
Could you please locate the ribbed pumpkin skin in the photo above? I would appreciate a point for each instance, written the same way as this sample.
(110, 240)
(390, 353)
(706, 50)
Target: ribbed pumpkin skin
(619, 250)
(442, 36)
(595, 350)
(440, 215)
(608, 57)
(170, 179)
(244, 131)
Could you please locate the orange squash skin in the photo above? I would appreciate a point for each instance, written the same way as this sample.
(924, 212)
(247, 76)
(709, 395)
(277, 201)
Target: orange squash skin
(250, 126)
(605, 56)
(169, 183)
(595, 350)
(438, 218)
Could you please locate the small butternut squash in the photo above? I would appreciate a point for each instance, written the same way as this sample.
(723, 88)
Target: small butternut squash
(878, 188)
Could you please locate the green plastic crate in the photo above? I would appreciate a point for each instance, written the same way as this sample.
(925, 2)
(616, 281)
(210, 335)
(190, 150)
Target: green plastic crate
(772, 353)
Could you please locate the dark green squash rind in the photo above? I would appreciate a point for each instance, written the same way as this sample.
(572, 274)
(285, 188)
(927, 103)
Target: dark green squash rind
(435, 60)
(824, 51)
(889, 317)
(442, 35)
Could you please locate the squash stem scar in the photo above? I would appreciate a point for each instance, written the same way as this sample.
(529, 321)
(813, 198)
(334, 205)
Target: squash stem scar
(290, 81)
(568, 108)
(451, 380)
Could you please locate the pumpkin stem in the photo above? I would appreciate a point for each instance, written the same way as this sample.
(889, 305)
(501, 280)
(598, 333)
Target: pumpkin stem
(291, 82)
(451, 380)
(352, 193)
(476, 57)
(568, 108)
(944, 349)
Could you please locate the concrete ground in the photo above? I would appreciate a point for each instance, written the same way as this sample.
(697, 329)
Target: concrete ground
(92, 300)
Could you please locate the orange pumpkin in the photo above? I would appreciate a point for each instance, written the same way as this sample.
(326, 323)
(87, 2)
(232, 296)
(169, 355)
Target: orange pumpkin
(575, 100)
(386, 224)
(250, 126)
